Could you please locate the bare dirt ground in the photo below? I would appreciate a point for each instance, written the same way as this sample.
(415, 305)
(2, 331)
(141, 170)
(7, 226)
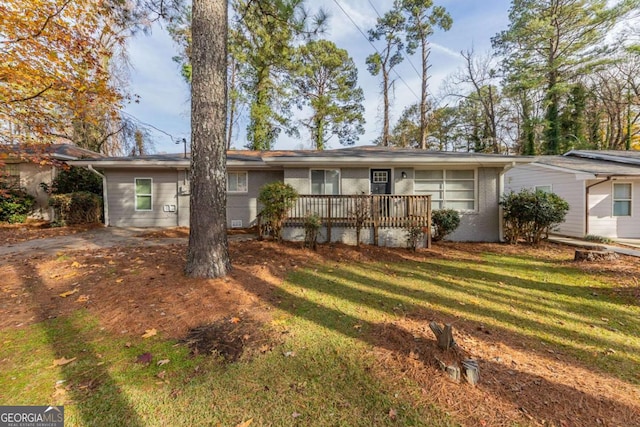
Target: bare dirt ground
(132, 288)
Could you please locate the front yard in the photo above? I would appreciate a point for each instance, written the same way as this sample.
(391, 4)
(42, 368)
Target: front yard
(337, 337)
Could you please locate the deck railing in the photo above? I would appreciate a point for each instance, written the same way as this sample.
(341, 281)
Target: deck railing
(385, 210)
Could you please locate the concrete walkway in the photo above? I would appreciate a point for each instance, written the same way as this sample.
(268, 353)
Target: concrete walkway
(629, 247)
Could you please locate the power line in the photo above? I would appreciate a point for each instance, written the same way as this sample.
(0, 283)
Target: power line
(374, 47)
(173, 138)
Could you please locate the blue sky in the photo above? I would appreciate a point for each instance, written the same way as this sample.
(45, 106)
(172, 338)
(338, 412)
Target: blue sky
(164, 97)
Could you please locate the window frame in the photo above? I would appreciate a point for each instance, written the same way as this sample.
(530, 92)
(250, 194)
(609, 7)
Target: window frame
(246, 180)
(614, 200)
(386, 175)
(325, 181)
(543, 188)
(445, 178)
(10, 174)
(136, 194)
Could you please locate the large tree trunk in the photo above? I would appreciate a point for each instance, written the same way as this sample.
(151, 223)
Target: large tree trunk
(423, 93)
(208, 254)
(386, 107)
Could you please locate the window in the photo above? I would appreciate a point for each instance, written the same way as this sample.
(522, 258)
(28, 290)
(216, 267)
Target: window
(144, 194)
(325, 181)
(449, 189)
(237, 182)
(10, 175)
(380, 177)
(621, 199)
(544, 188)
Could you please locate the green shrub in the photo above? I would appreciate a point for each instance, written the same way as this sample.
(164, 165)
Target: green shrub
(80, 207)
(444, 222)
(312, 224)
(276, 198)
(597, 239)
(75, 179)
(15, 205)
(530, 215)
(415, 233)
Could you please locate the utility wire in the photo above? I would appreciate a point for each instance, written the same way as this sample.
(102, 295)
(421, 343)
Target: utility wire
(374, 47)
(173, 138)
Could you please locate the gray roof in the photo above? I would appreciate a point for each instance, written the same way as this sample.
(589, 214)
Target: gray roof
(370, 155)
(56, 151)
(619, 156)
(590, 165)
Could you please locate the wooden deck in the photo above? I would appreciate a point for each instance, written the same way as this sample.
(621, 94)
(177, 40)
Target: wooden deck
(367, 211)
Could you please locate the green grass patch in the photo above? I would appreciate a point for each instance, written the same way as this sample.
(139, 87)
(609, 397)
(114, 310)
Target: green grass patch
(322, 372)
(550, 304)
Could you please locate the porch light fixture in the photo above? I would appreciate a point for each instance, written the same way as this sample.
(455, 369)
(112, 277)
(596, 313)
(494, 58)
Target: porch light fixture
(404, 175)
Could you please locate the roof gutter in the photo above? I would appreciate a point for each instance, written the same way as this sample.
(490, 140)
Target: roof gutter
(105, 200)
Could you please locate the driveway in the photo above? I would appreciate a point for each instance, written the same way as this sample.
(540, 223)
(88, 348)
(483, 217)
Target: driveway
(97, 238)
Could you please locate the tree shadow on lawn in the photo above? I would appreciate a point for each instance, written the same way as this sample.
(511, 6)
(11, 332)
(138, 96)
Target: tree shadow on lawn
(415, 300)
(97, 396)
(517, 292)
(560, 402)
(607, 275)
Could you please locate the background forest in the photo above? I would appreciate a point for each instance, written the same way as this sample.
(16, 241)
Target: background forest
(563, 74)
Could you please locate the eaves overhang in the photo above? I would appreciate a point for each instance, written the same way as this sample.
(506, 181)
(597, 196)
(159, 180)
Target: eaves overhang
(404, 161)
(160, 164)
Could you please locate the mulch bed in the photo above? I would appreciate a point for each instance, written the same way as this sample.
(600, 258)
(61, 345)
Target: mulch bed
(133, 289)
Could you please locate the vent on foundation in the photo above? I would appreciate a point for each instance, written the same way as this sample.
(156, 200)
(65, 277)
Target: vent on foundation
(236, 223)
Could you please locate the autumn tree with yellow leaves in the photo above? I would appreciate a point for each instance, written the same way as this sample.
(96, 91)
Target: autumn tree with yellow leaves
(55, 80)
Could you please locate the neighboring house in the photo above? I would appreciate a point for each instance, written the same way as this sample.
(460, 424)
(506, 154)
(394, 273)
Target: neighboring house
(601, 187)
(153, 190)
(30, 166)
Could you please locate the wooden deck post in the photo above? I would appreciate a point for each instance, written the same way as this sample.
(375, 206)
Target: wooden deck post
(429, 222)
(375, 214)
(329, 219)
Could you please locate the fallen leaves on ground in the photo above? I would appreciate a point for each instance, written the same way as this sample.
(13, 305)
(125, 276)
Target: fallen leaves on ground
(68, 293)
(148, 333)
(63, 361)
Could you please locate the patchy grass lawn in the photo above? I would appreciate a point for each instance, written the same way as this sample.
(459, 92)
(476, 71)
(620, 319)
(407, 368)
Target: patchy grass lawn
(338, 337)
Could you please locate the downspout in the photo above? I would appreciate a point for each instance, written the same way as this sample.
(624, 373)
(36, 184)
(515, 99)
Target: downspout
(105, 201)
(500, 193)
(586, 203)
(177, 197)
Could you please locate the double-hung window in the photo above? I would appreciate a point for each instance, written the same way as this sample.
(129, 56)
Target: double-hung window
(449, 189)
(237, 182)
(325, 181)
(144, 194)
(622, 199)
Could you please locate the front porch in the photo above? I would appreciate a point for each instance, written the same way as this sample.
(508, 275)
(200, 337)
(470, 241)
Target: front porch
(364, 211)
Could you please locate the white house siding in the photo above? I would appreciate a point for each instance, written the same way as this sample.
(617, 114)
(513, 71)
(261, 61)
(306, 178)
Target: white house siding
(298, 178)
(243, 207)
(354, 181)
(483, 224)
(31, 176)
(601, 219)
(121, 193)
(403, 185)
(564, 184)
